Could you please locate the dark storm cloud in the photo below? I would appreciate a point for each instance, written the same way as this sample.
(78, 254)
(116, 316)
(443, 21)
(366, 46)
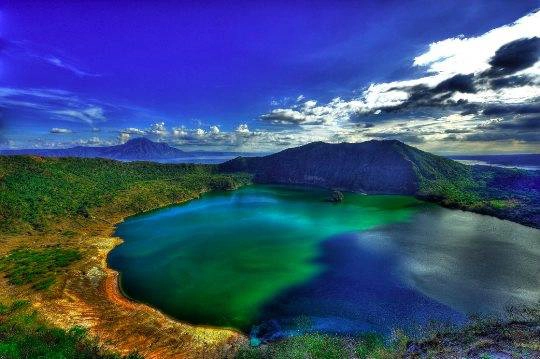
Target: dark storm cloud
(507, 60)
(456, 130)
(457, 83)
(511, 81)
(513, 57)
(502, 136)
(521, 109)
(523, 123)
(407, 136)
(440, 96)
(517, 127)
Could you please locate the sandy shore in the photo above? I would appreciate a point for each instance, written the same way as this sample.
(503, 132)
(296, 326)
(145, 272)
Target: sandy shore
(88, 295)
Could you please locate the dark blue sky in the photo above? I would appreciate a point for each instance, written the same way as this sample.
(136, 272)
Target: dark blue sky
(201, 64)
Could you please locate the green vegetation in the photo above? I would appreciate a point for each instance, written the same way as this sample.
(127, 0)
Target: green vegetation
(507, 193)
(321, 346)
(38, 267)
(515, 334)
(23, 334)
(37, 192)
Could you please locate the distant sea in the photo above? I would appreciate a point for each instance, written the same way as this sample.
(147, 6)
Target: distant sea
(529, 161)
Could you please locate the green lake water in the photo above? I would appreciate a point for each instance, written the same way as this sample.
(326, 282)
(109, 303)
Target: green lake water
(261, 257)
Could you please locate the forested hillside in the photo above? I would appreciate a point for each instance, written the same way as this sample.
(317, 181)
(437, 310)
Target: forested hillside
(36, 192)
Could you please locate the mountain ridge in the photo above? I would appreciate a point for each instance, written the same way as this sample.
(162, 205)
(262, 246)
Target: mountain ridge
(393, 167)
(387, 166)
(136, 149)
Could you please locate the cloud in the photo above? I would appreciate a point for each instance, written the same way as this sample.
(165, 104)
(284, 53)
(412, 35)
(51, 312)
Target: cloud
(179, 132)
(155, 130)
(123, 137)
(473, 55)
(26, 50)
(466, 92)
(497, 110)
(133, 131)
(53, 60)
(456, 83)
(243, 128)
(523, 128)
(512, 81)
(310, 113)
(158, 129)
(60, 130)
(465, 81)
(57, 104)
(514, 56)
(282, 115)
(89, 115)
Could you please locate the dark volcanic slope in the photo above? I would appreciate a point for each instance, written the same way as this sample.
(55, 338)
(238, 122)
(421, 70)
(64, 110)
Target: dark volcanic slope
(392, 167)
(371, 167)
(135, 149)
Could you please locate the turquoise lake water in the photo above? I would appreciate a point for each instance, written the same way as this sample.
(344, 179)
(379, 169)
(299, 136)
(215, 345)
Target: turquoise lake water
(275, 261)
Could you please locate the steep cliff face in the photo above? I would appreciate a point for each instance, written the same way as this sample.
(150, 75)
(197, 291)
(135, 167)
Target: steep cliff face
(371, 167)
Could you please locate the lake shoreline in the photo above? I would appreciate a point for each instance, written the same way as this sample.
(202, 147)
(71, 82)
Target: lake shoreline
(89, 295)
(104, 309)
(192, 267)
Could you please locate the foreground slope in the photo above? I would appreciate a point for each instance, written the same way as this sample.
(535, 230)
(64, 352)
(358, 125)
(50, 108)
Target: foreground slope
(57, 222)
(392, 167)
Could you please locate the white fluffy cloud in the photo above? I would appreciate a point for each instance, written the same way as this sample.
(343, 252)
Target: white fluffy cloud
(242, 128)
(158, 129)
(471, 54)
(60, 130)
(133, 131)
(179, 132)
(123, 137)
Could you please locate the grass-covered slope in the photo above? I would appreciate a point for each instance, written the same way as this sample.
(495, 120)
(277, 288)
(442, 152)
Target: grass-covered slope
(24, 334)
(513, 336)
(392, 167)
(37, 267)
(37, 193)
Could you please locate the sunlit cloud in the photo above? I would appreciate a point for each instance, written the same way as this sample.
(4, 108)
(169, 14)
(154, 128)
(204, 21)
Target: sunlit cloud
(60, 130)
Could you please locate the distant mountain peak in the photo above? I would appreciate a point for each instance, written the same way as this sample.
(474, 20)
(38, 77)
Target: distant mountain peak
(139, 148)
(139, 140)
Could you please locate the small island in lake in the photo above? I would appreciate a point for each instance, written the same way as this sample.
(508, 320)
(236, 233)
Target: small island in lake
(335, 197)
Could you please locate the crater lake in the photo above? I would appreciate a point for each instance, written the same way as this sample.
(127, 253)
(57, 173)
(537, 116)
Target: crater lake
(275, 261)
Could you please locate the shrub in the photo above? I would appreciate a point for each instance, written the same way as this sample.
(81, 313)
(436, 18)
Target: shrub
(38, 267)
